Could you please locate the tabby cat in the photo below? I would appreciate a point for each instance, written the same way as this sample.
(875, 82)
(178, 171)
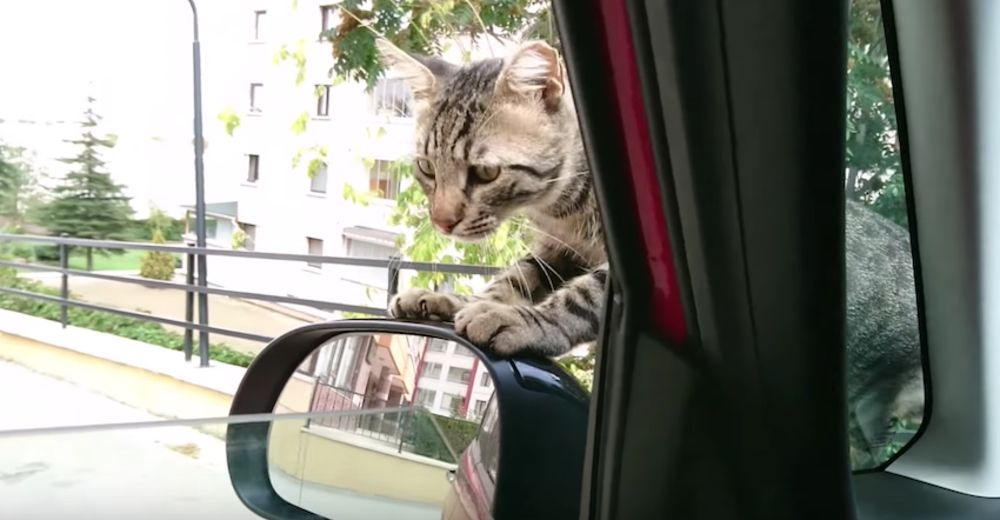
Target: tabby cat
(494, 139)
(500, 137)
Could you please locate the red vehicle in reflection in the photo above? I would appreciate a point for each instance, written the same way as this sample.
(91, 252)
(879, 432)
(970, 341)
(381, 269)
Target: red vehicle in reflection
(470, 496)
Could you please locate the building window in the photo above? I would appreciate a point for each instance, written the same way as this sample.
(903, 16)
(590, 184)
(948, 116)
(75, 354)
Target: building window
(458, 375)
(317, 183)
(329, 18)
(323, 100)
(256, 97)
(211, 228)
(432, 370)
(250, 230)
(426, 397)
(253, 168)
(316, 249)
(308, 367)
(438, 345)
(451, 402)
(376, 277)
(383, 179)
(259, 18)
(345, 364)
(391, 98)
(484, 380)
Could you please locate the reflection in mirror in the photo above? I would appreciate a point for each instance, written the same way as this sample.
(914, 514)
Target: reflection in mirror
(394, 429)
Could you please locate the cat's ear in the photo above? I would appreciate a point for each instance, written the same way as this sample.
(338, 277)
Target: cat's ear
(534, 70)
(414, 72)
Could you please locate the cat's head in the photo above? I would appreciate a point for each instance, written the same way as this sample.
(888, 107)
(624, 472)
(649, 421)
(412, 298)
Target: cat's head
(491, 136)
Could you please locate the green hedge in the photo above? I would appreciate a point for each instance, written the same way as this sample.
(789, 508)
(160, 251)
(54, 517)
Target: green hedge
(459, 432)
(139, 330)
(426, 441)
(424, 438)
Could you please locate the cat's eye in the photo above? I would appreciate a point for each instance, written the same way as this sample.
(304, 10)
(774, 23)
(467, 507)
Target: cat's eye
(485, 173)
(425, 167)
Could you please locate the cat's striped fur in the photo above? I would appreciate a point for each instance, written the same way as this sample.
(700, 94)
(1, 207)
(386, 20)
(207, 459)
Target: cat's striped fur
(494, 139)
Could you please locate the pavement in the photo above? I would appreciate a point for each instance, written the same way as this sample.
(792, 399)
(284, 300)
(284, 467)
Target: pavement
(224, 312)
(56, 466)
(125, 473)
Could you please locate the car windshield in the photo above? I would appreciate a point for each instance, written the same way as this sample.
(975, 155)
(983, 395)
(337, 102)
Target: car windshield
(52, 473)
(176, 196)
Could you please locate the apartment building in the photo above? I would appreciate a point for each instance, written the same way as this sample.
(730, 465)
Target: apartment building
(452, 381)
(303, 139)
(391, 371)
(351, 137)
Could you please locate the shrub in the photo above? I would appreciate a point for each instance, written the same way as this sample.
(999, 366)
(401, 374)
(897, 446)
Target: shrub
(425, 439)
(123, 326)
(157, 265)
(459, 432)
(47, 253)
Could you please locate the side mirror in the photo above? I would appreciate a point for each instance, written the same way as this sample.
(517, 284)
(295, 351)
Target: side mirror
(362, 419)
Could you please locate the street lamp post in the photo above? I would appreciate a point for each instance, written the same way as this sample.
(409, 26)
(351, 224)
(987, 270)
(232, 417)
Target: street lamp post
(199, 193)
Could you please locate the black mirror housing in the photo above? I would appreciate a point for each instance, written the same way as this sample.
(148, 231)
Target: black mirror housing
(543, 423)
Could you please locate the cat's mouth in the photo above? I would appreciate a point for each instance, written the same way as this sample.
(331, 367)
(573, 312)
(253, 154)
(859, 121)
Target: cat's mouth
(471, 237)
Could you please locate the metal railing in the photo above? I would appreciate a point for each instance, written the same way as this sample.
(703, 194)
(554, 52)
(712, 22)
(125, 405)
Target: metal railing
(65, 246)
(410, 429)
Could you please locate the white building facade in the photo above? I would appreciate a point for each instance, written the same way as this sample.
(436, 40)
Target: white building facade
(288, 184)
(452, 381)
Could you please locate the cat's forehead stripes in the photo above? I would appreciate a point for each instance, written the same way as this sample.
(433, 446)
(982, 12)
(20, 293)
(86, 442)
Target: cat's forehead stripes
(459, 109)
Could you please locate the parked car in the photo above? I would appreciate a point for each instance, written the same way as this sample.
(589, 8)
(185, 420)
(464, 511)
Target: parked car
(474, 481)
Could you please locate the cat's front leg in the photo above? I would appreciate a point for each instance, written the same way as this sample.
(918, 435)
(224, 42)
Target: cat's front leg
(566, 318)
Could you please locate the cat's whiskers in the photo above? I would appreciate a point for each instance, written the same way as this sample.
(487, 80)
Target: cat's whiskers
(546, 268)
(570, 248)
(557, 179)
(524, 281)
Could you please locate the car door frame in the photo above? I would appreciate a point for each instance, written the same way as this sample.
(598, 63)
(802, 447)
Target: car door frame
(721, 415)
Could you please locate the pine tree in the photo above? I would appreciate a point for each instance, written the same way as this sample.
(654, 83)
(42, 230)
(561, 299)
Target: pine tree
(15, 182)
(89, 204)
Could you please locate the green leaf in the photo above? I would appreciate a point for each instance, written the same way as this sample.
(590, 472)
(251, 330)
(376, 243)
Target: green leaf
(280, 55)
(300, 123)
(314, 166)
(230, 118)
(353, 196)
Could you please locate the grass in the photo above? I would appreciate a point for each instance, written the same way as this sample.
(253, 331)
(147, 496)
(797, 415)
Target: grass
(126, 261)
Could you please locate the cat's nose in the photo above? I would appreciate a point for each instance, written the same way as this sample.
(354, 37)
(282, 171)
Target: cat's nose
(445, 222)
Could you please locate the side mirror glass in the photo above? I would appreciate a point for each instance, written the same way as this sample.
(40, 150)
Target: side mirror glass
(388, 417)
(384, 419)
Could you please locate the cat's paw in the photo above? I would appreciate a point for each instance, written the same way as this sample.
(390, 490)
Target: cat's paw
(425, 305)
(496, 326)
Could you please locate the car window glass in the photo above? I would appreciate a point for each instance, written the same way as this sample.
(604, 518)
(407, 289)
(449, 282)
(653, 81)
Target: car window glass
(884, 372)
